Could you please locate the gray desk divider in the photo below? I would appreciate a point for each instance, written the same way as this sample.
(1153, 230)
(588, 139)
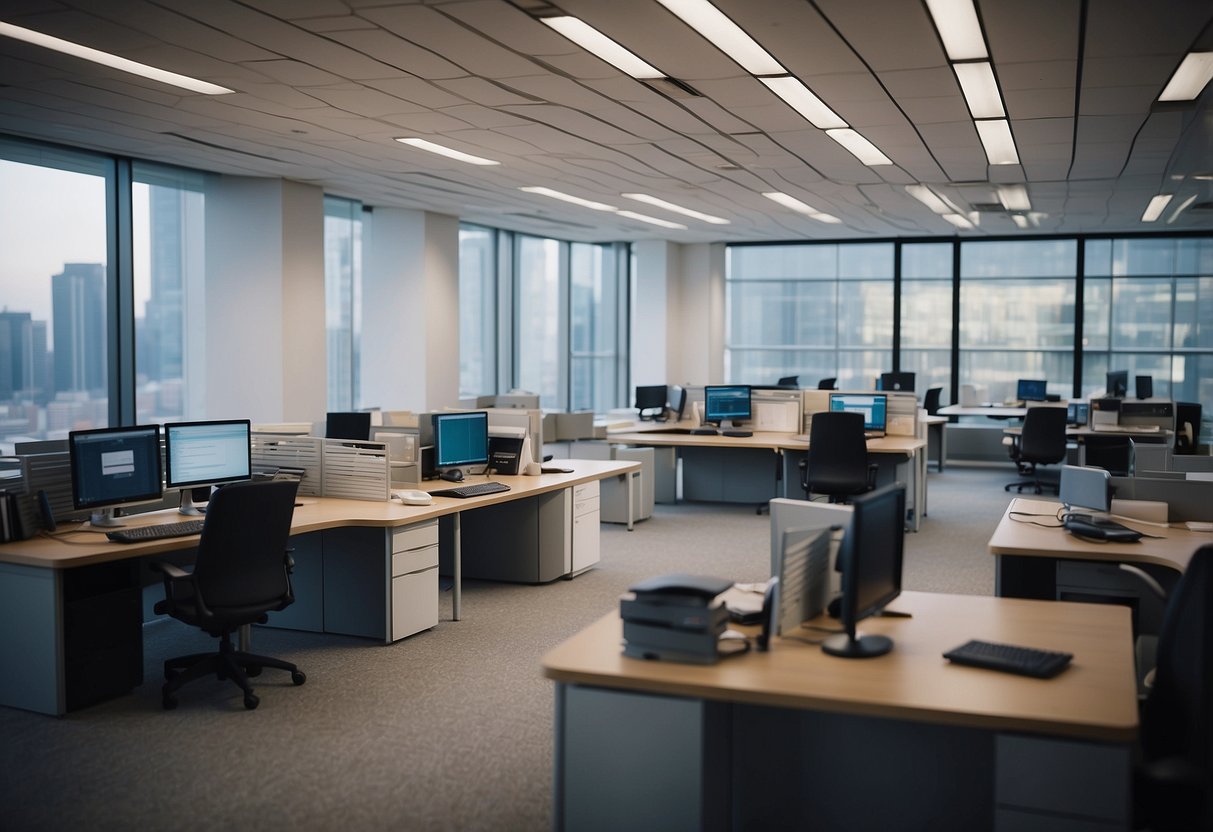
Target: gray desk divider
(273, 452)
(1185, 499)
(355, 470)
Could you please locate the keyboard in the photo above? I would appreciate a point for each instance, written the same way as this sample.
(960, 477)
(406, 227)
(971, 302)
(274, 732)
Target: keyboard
(141, 534)
(1027, 661)
(476, 490)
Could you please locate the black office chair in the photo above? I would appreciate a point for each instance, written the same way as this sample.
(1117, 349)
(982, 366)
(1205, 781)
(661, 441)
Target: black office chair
(930, 401)
(1187, 427)
(788, 381)
(837, 463)
(242, 571)
(827, 384)
(1173, 784)
(1112, 453)
(1042, 442)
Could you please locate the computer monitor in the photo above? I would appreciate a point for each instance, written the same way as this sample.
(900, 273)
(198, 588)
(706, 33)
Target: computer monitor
(113, 467)
(1117, 386)
(1078, 413)
(460, 440)
(1145, 387)
(873, 406)
(1031, 390)
(870, 561)
(355, 426)
(897, 381)
(726, 405)
(649, 398)
(677, 400)
(205, 453)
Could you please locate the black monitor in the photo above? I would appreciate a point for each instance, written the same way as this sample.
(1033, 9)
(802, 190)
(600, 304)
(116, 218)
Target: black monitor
(870, 561)
(872, 406)
(897, 381)
(460, 440)
(114, 467)
(726, 404)
(354, 426)
(1031, 390)
(1145, 387)
(649, 398)
(1117, 386)
(1078, 413)
(205, 453)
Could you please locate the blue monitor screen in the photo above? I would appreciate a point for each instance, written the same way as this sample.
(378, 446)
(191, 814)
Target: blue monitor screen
(1031, 390)
(726, 402)
(206, 453)
(114, 466)
(461, 439)
(873, 407)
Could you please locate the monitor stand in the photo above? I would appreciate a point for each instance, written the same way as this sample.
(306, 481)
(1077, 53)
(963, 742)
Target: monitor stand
(727, 428)
(104, 519)
(846, 646)
(187, 506)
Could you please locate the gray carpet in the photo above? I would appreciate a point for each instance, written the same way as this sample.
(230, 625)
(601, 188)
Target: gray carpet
(449, 729)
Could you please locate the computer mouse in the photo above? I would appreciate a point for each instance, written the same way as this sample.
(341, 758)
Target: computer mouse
(413, 497)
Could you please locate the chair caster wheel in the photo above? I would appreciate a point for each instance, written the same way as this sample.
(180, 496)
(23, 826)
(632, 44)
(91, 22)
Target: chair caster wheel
(252, 670)
(298, 677)
(168, 701)
(251, 701)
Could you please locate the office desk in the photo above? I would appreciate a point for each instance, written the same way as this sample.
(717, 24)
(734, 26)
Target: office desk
(796, 739)
(71, 614)
(993, 411)
(937, 425)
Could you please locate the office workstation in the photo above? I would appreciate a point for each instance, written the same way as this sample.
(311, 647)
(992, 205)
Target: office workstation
(293, 242)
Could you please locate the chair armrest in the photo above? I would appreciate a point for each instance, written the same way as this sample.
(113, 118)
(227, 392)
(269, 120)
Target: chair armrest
(174, 576)
(873, 470)
(170, 570)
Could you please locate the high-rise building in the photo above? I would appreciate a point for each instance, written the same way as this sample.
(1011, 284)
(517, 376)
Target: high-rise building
(78, 312)
(161, 354)
(16, 355)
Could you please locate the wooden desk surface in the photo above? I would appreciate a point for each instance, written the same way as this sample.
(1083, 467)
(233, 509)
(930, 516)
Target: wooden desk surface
(769, 440)
(315, 513)
(1095, 698)
(1174, 549)
(996, 411)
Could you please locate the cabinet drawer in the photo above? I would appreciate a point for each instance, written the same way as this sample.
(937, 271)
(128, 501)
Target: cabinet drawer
(414, 560)
(585, 498)
(414, 537)
(414, 603)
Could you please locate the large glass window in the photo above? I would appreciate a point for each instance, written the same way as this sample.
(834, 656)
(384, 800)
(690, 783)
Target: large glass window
(477, 311)
(539, 347)
(926, 316)
(594, 323)
(54, 330)
(342, 291)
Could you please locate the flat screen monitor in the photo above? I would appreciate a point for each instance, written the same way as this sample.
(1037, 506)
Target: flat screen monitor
(205, 453)
(114, 467)
(1077, 413)
(1117, 386)
(870, 559)
(1031, 390)
(872, 406)
(460, 439)
(1145, 387)
(726, 404)
(354, 426)
(897, 381)
(650, 398)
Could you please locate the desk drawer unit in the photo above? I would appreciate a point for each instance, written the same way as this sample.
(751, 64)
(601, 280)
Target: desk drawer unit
(586, 517)
(414, 579)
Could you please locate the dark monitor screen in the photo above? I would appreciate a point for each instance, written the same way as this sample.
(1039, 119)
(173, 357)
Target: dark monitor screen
(1078, 413)
(355, 426)
(897, 381)
(871, 561)
(1145, 387)
(461, 439)
(1117, 386)
(1031, 390)
(206, 453)
(114, 467)
(873, 408)
(650, 397)
(722, 403)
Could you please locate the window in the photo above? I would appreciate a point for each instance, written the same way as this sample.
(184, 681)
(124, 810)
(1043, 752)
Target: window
(926, 315)
(477, 311)
(595, 311)
(539, 348)
(342, 291)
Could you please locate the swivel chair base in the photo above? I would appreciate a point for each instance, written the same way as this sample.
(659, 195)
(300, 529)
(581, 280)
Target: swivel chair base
(228, 663)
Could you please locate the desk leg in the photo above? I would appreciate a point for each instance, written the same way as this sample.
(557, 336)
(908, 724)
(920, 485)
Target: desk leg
(631, 506)
(457, 591)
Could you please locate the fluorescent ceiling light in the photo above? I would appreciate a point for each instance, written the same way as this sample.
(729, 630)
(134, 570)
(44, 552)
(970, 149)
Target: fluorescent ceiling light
(980, 89)
(678, 209)
(1180, 209)
(1193, 74)
(930, 199)
(801, 207)
(959, 29)
(1021, 220)
(801, 99)
(1154, 209)
(863, 149)
(422, 144)
(957, 220)
(1014, 197)
(594, 41)
(996, 138)
(726, 35)
(576, 200)
(644, 218)
(112, 61)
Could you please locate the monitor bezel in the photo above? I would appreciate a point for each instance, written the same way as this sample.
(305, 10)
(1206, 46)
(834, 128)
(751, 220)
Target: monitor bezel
(75, 436)
(898, 376)
(733, 417)
(653, 400)
(883, 427)
(436, 421)
(168, 429)
(1019, 391)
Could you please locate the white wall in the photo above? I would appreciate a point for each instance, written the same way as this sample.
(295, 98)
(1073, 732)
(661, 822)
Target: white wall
(655, 326)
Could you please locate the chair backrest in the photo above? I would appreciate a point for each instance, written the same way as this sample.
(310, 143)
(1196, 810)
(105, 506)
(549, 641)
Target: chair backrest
(240, 560)
(1177, 719)
(1187, 418)
(931, 400)
(838, 454)
(789, 381)
(1044, 435)
(826, 384)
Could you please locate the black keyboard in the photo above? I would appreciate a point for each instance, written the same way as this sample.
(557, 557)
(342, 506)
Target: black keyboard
(1027, 661)
(477, 490)
(140, 534)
